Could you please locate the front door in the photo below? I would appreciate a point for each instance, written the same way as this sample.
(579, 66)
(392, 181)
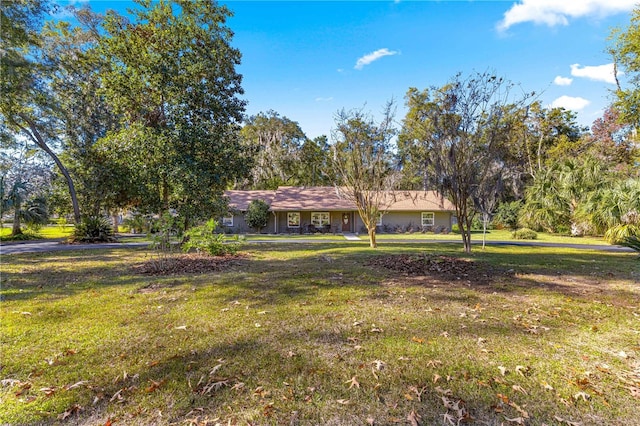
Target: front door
(346, 226)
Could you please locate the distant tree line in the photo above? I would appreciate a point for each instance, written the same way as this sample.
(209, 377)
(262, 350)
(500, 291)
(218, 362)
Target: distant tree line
(146, 114)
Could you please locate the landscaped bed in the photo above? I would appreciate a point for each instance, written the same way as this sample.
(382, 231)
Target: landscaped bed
(322, 334)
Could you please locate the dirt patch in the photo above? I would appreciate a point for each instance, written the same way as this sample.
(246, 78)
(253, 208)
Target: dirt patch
(187, 263)
(440, 267)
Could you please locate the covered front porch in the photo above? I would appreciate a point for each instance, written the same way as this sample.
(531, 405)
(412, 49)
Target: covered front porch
(310, 222)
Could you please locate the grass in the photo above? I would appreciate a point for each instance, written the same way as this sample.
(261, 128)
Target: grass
(46, 232)
(309, 334)
(492, 235)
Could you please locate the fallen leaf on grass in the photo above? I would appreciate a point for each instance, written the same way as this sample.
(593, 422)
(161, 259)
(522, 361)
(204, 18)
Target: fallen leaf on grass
(502, 369)
(75, 409)
(75, 385)
(353, 382)
(585, 396)
(343, 401)
(519, 409)
(434, 363)
(547, 386)
(48, 391)
(413, 418)
(635, 391)
(516, 420)
(568, 422)
(519, 388)
(417, 340)
(154, 386)
(522, 370)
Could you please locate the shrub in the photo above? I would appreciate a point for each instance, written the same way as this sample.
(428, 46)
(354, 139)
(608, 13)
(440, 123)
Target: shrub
(204, 238)
(257, 215)
(455, 228)
(507, 215)
(92, 229)
(631, 242)
(618, 233)
(524, 234)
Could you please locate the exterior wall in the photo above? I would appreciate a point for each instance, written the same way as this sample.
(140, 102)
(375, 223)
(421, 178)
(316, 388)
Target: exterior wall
(240, 225)
(391, 220)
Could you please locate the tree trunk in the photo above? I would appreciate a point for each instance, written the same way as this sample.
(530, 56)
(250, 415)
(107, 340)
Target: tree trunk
(17, 230)
(35, 136)
(372, 237)
(484, 231)
(114, 218)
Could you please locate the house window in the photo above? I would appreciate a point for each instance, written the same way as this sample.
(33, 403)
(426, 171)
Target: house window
(227, 221)
(293, 219)
(379, 221)
(428, 219)
(320, 218)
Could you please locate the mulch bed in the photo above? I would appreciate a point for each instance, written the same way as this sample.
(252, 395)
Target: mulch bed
(440, 267)
(187, 263)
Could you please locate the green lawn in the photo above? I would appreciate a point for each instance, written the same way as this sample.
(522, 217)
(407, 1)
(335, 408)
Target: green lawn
(46, 232)
(493, 235)
(312, 334)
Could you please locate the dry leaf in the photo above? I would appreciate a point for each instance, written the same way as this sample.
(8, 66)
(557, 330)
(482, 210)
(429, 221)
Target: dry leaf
(413, 418)
(585, 396)
(353, 382)
(343, 401)
(154, 386)
(502, 369)
(379, 365)
(417, 340)
(519, 409)
(516, 420)
(519, 388)
(449, 419)
(521, 370)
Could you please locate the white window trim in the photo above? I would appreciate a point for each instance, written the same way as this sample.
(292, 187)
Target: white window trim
(425, 215)
(321, 214)
(379, 221)
(289, 220)
(226, 220)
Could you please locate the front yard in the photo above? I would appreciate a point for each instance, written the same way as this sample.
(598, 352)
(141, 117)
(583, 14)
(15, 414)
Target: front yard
(323, 333)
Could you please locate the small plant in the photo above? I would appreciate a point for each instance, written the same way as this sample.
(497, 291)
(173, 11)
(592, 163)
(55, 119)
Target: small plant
(455, 228)
(632, 242)
(204, 238)
(93, 229)
(524, 234)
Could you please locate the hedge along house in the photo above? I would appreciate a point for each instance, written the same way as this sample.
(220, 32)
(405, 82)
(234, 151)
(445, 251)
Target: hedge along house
(302, 210)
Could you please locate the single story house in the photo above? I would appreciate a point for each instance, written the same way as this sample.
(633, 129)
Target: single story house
(296, 209)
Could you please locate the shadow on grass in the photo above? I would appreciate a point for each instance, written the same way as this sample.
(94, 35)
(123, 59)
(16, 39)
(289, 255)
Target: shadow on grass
(297, 270)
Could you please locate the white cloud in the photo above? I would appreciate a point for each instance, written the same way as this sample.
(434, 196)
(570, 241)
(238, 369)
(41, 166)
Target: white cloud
(570, 102)
(562, 81)
(598, 73)
(373, 56)
(329, 99)
(558, 12)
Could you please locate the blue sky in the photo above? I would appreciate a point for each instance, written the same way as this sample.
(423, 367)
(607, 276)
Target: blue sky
(308, 59)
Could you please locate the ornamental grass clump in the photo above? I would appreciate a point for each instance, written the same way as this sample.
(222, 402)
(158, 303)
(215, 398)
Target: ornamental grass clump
(524, 234)
(93, 229)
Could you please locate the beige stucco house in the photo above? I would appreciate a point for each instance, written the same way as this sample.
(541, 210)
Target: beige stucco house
(296, 209)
